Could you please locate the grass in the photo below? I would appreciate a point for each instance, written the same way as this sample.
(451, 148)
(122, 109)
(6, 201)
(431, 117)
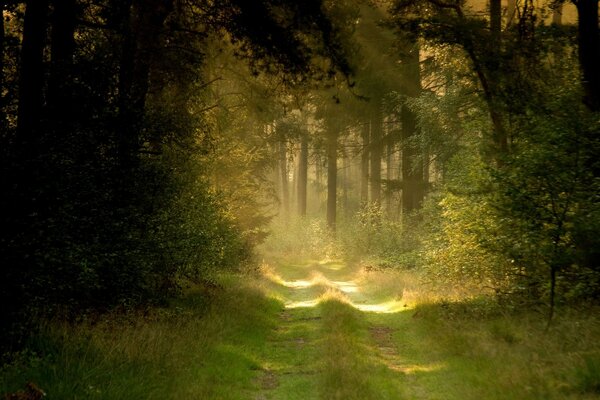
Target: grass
(317, 330)
(191, 349)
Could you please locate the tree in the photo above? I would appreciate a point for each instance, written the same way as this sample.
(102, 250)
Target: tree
(413, 185)
(60, 102)
(142, 26)
(364, 162)
(332, 150)
(283, 174)
(376, 145)
(589, 51)
(303, 175)
(93, 197)
(31, 73)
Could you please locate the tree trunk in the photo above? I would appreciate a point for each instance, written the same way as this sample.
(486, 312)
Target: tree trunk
(412, 170)
(142, 22)
(501, 138)
(31, 72)
(344, 184)
(62, 50)
(389, 176)
(376, 150)
(331, 178)
(303, 176)
(412, 161)
(2, 42)
(285, 190)
(589, 51)
(496, 21)
(364, 164)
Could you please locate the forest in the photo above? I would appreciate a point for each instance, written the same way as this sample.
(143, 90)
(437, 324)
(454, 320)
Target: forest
(319, 199)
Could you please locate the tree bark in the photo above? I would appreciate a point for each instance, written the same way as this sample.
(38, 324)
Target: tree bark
(412, 173)
(496, 21)
(364, 164)
(285, 190)
(62, 48)
(376, 150)
(332, 178)
(2, 42)
(31, 71)
(389, 174)
(303, 175)
(142, 22)
(412, 159)
(344, 184)
(589, 51)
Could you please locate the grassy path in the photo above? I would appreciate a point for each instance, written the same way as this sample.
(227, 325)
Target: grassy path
(327, 346)
(315, 330)
(346, 333)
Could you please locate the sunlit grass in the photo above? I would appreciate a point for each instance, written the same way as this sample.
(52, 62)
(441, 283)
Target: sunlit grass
(304, 331)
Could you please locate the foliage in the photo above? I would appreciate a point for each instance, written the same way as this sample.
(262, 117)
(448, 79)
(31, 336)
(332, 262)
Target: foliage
(371, 237)
(549, 196)
(110, 156)
(517, 175)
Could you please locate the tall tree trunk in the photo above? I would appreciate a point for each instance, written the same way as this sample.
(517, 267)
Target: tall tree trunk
(285, 190)
(62, 50)
(389, 176)
(501, 138)
(332, 138)
(589, 51)
(376, 150)
(412, 162)
(303, 175)
(496, 21)
(364, 163)
(345, 184)
(319, 178)
(412, 170)
(2, 43)
(31, 71)
(142, 24)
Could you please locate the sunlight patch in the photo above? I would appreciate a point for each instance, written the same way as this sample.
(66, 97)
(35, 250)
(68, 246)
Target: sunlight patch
(413, 369)
(346, 287)
(297, 284)
(381, 308)
(332, 264)
(302, 304)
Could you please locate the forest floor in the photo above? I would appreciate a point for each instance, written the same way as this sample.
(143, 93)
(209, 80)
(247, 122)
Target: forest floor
(316, 330)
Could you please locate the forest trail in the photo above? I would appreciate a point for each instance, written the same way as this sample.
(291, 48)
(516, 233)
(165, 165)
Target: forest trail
(314, 330)
(344, 331)
(337, 335)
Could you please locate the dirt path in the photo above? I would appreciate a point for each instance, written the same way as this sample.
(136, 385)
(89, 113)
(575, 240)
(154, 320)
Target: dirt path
(326, 345)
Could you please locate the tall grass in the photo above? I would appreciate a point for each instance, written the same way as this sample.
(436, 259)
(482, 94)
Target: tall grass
(201, 346)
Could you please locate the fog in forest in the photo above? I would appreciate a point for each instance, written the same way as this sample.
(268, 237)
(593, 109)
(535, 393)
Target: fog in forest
(353, 199)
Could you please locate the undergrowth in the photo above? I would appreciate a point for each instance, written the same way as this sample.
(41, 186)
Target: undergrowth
(204, 345)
